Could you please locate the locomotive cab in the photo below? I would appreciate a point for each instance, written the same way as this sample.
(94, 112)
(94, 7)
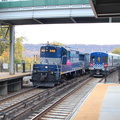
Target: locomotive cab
(47, 73)
(57, 64)
(98, 62)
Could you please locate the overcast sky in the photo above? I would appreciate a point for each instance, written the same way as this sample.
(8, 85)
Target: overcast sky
(95, 33)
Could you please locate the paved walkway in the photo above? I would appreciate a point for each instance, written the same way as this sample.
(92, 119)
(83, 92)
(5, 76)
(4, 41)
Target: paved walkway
(102, 104)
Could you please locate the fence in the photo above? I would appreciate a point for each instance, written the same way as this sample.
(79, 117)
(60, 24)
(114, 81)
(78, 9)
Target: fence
(19, 67)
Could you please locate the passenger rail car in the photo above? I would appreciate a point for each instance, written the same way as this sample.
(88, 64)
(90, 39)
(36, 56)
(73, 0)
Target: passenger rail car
(85, 58)
(100, 60)
(57, 64)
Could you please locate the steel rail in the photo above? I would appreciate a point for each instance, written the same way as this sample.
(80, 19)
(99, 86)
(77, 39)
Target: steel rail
(37, 117)
(51, 94)
(21, 108)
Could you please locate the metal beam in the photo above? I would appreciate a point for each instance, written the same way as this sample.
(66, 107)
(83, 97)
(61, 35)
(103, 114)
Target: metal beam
(38, 21)
(106, 8)
(73, 20)
(12, 41)
(35, 14)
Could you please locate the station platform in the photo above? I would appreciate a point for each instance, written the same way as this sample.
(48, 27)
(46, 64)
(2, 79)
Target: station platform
(11, 83)
(6, 76)
(103, 103)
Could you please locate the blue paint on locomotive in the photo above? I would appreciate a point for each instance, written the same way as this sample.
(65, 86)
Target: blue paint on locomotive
(54, 61)
(45, 68)
(100, 60)
(97, 62)
(98, 57)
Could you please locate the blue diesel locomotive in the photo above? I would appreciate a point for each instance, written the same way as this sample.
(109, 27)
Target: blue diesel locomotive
(57, 64)
(100, 60)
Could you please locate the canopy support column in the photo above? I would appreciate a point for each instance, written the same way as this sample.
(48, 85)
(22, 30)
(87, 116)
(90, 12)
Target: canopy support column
(110, 19)
(12, 41)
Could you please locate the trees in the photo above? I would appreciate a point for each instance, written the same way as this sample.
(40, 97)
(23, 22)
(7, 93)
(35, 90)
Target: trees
(4, 38)
(3, 47)
(116, 51)
(57, 43)
(19, 49)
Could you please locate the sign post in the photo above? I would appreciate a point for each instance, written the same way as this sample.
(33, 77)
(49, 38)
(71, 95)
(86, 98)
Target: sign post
(23, 63)
(105, 75)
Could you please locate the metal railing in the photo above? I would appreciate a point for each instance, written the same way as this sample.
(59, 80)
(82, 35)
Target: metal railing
(19, 67)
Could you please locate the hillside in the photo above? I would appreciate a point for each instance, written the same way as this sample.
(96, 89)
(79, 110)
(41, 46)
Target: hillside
(33, 49)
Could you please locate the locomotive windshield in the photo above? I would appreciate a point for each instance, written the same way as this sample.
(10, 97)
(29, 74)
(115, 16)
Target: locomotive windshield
(52, 50)
(104, 60)
(98, 59)
(92, 59)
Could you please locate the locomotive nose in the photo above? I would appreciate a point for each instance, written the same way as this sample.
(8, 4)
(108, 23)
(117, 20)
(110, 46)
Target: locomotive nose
(43, 78)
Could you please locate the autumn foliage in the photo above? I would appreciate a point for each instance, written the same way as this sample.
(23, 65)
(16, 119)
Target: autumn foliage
(19, 49)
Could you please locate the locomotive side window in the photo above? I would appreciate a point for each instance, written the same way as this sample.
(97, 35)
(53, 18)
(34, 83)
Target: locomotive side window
(81, 57)
(74, 56)
(64, 57)
(64, 52)
(68, 54)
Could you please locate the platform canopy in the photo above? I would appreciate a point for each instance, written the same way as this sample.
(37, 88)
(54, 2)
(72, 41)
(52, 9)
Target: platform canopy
(106, 8)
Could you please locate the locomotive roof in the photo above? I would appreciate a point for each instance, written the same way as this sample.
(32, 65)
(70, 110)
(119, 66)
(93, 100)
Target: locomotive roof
(106, 53)
(114, 54)
(99, 53)
(65, 47)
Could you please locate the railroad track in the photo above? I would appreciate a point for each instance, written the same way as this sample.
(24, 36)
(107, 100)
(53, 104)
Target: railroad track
(64, 106)
(26, 105)
(20, 106)
(11, 100)
(9, 104)
(15, 107)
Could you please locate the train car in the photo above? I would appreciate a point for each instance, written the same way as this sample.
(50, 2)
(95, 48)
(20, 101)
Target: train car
(101, 62)
(85, 59)
(57, 64)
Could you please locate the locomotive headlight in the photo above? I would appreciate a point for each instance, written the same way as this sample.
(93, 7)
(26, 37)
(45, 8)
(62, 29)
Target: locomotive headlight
(46, 67)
